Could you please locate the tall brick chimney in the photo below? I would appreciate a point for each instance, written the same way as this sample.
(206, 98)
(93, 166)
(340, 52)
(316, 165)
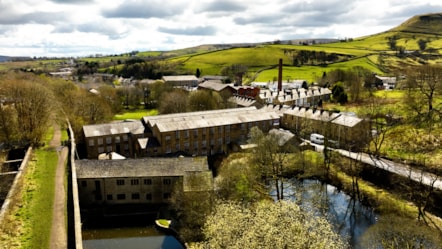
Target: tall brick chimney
(280, 75)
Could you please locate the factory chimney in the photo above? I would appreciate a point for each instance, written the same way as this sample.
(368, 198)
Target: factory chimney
(280, 75)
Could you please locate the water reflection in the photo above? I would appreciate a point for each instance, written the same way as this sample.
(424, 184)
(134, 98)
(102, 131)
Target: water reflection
(135, 233)
(349, 217)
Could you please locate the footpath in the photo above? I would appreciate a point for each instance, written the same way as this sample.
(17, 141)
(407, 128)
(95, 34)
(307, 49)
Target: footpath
(59, 226)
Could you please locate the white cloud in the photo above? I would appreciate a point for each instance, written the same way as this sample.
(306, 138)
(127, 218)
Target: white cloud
(84, 27)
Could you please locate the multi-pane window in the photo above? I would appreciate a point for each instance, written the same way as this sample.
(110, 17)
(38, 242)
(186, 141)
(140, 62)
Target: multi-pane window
(108, 140)
(121, 196)
(120, 182)
(177, 134)
(166, 196)
(147, 181)
(117, 139)
(100, 141)
(135, 196)
(166, 181)
(91, 142)
(149, 197)
(134, 182)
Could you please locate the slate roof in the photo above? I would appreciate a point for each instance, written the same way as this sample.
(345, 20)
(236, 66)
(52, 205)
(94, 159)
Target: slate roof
(142, 167)
(124, 127)
(324, 116)
(215, 86)
(194, 120)
(180, 78)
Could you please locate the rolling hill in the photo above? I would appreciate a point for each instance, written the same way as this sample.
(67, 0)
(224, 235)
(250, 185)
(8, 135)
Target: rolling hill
(416, 41)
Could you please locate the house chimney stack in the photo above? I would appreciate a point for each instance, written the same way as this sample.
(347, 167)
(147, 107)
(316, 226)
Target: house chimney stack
(280, 75)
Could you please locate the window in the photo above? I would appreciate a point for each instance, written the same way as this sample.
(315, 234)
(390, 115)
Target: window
(108, 148)
(212, 130)
(149, 197)
(108, 140)
(134, 182)
(220, 129)
(167, 138)
(100, 141)
(98, 197)
(227, 139)
(177, 147)
(84, 184)
(100, 150)
(204, 144)
(121, 196)
(195, 133)
(177, 134)
(166, 181)
(91, 142)
(227, 128)
(135, 196)
(186, 133)
(120, 182)
(117, 139)
(125, 138)
(166, 196)
(147, 181)
(220, 141)
(109, 197)
(195, 145)
(243, 126)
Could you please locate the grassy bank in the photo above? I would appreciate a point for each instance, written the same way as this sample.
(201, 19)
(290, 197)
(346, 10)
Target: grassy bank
(29, 222)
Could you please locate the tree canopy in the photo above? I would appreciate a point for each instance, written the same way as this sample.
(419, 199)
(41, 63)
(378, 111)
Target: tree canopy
(267, 224)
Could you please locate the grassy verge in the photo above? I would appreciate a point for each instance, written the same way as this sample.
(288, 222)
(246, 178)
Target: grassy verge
(29, 222)
(38, 199)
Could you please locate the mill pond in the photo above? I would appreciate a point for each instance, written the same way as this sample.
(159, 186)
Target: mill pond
(349, 217)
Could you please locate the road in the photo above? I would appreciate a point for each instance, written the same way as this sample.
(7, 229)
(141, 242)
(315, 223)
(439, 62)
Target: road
(393, 167)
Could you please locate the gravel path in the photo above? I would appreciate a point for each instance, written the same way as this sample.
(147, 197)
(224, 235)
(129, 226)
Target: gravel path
(59, 226)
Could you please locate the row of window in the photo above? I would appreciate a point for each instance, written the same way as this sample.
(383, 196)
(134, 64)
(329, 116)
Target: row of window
(133, 196)
(100, 140)
(121, 182)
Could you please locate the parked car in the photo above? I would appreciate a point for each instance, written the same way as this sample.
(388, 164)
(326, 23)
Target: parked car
(317, 138)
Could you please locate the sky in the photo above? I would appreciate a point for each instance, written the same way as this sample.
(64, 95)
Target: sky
(65, 28)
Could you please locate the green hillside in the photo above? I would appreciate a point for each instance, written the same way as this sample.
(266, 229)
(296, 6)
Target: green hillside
(383, 53)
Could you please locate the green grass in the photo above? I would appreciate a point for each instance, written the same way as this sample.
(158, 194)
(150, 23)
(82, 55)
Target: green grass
(38, 200)
(136, 114)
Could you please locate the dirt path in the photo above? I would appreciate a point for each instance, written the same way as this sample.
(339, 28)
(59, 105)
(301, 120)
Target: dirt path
(59, 226)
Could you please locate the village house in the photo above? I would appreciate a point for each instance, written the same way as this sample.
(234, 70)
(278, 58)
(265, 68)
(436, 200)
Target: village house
(341, 127)
(150, 181)
(186, 81)
(119, 137)
(385, 82)
(296, 96)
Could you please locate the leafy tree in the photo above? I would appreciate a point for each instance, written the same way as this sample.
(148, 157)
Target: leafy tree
(173, 102)
(338, 93)
(271, 156)
(239, 180)
(32, 102)
(396, 232)
(235, 72)
(424, 87)
(204, 100)
(267, 225)
(422, 44)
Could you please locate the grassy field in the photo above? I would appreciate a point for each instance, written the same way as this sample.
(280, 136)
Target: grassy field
(136, 114)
